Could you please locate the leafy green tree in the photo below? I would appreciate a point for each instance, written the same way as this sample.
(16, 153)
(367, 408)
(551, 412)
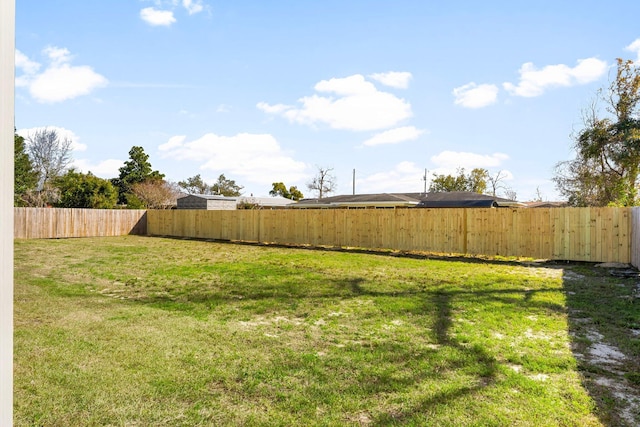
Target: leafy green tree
(226, 187)
(606, 167)
(26, 177)
(135, 170)
(279, 189)
(78, 190)
(295, 193)
(195, 185)
(475, 181)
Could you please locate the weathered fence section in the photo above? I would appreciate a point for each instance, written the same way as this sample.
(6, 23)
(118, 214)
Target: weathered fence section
(577, 234)
(635, 237)
(48, 223)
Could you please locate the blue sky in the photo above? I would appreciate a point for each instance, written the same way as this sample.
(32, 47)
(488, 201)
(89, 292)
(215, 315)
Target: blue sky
(269, 91)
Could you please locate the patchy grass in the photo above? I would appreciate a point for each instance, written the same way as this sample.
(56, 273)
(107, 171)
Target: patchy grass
(147, 331)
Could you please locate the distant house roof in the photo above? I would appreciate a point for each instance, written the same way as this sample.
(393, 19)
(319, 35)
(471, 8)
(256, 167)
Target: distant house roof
(380, 200)
(267, 202)
(546, 204)
(210, 197)
(383, 200)
(465, 199)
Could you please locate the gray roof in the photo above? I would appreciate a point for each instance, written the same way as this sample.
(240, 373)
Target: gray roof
(360, 200)
(464, 199)
(444, 199)
(209, 197)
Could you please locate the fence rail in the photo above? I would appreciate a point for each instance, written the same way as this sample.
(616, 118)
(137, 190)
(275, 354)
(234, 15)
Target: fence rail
(576, 234)
(48, 223)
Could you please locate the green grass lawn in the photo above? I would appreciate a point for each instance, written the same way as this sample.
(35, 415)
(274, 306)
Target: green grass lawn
(138, 331)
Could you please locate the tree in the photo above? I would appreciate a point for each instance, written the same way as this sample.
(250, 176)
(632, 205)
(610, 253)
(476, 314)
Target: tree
(538, 197)
(495, 182)
(226, 187)
(155, 194)
(323, 183)
(25, 176)
(78, 190)
(279, 189)
(475, 182)
(135, 170)
(195, 185)
(606, 167)
(50, 155)
(510, 193)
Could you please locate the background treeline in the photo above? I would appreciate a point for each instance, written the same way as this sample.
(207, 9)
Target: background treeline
(43, 177)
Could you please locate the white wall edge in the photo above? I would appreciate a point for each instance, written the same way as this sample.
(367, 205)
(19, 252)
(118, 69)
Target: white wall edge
(7, 122)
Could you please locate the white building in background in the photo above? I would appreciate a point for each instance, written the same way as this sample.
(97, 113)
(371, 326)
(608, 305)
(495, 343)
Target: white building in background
(212, 202)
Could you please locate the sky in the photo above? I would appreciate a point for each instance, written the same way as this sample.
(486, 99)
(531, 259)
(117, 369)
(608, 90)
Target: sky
(271, 91)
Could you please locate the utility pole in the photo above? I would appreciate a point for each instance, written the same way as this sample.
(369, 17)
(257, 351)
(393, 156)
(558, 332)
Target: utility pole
(354, 182)
(424, 178)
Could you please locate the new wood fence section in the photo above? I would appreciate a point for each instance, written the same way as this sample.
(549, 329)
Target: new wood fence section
(576, 234)
(48, 223)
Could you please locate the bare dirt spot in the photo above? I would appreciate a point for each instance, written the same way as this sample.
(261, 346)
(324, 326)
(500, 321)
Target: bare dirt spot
(608, 360)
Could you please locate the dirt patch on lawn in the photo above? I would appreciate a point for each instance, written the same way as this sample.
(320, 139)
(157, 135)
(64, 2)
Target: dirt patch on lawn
(603, 312)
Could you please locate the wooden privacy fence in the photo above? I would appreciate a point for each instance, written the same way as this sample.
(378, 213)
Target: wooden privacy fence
(576, 234)
(635, 237)
(48, 223)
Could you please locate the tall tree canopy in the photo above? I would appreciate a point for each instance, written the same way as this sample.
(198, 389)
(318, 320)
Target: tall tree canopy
(78, 190)
(226, 187)
(475, 181)
(195, 185)
(222, 187)
(135, 170)
(606, 167)
(279, 189)
(25, 176)
(50, 155)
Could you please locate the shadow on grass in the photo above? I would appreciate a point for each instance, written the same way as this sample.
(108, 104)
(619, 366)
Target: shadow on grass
(604, 327)
(438, 303)
(472, 355)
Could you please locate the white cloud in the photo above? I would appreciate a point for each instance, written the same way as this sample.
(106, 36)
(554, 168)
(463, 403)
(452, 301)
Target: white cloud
(273, 109)
(256, 158)
(452, 160)
(533, 81)
(395, 136)
(155, 17)
(25, 64)
(62, 135)
(57, 55)
(472, 95)
(193, 7)
(65, 82)
(397, 79)
(359, 106)
(174, 142)
(105, 169)
(635, 48)
(404, 177)
(60, 81)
